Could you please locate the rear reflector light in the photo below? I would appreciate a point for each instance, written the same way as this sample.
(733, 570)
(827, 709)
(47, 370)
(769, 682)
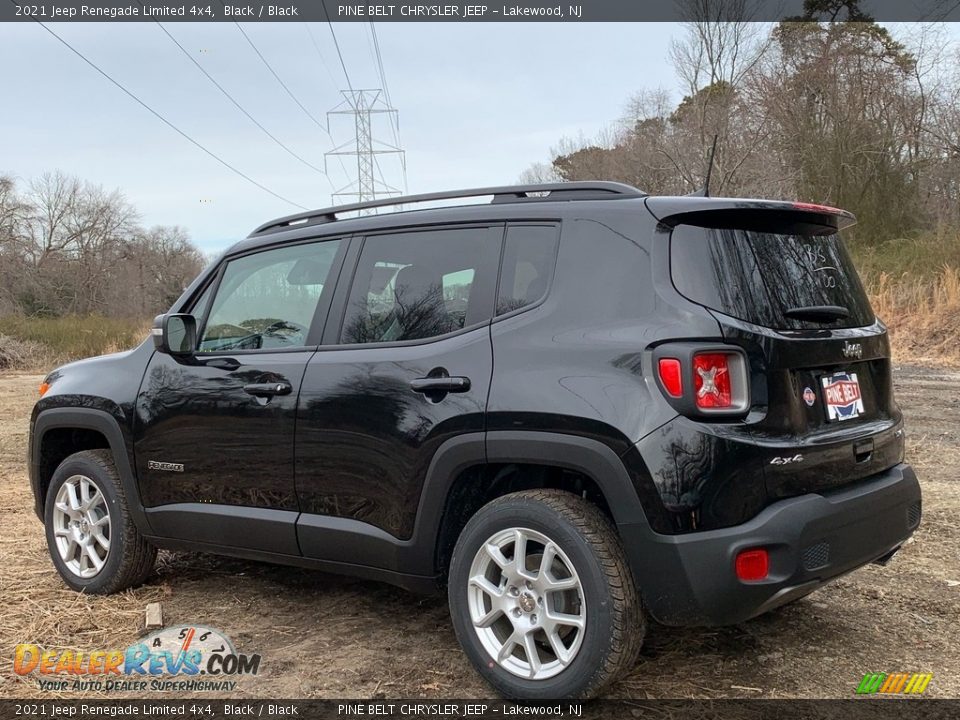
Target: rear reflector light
(753, 564)
(711, 381)
(671, 376)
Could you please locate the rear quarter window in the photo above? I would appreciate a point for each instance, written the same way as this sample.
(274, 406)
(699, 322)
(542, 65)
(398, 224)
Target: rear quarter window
(758, 276)
(529, 256)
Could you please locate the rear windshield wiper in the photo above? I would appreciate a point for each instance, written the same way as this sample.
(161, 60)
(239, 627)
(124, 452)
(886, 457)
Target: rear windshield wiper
(818, 313)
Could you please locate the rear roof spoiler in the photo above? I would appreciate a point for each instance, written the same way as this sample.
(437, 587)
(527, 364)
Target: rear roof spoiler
(748, 214)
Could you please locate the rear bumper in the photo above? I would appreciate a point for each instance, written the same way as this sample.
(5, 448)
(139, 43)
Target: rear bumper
(690, 580)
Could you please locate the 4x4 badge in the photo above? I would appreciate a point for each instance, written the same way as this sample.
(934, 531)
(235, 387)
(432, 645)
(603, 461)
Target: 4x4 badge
(809, 396)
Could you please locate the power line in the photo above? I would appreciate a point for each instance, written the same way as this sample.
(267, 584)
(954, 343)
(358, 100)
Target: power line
(378, 66)
(323, 61)
(167, 122)
(336, 44)
(316, 46)
(394, 117)
(373, 52)
(379, 59)
(383, 81)
(284, 86)
(239, 106)
(323, 4)
(277, 77)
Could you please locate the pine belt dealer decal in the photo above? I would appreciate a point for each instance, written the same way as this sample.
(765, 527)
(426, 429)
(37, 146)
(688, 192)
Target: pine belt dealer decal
(841, 396)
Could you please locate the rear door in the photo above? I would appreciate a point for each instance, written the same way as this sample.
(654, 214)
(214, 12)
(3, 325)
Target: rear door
(788, 292)
(406, 364)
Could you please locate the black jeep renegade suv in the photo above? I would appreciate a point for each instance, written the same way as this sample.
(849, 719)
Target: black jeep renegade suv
(573, 406)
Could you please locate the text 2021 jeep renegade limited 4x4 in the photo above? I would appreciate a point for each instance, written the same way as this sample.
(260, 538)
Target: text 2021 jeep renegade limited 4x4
(574, 407)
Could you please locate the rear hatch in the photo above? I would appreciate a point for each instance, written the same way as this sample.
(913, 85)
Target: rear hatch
(781, 284)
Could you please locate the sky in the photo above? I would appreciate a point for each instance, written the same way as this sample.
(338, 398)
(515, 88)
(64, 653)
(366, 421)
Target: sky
(478, 104)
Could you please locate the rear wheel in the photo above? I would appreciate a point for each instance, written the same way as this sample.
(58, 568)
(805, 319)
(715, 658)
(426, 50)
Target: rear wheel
(541, 597)
(92, 539)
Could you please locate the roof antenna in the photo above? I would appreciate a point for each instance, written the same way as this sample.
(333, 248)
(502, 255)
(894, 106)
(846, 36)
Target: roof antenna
(705, 190)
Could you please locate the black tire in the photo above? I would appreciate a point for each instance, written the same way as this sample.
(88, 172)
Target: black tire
(615, 622)
(130, 558)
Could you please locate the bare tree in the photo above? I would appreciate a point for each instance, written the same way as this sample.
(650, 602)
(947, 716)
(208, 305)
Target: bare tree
(539, 173)
(67, 246)
(721, 44)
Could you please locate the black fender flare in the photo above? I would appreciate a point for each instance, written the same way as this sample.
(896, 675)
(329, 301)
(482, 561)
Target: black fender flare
(591, 457)
(586, 455)
(448, 462)
(107, 425)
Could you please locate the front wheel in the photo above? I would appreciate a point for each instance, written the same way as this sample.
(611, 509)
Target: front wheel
(92, 539)
(541, 597)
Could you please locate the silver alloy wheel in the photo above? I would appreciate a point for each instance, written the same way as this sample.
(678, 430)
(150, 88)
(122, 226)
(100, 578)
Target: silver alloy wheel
(526, 603)
(81, 526)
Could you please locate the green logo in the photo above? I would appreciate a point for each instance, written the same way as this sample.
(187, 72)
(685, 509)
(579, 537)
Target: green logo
(894, 683)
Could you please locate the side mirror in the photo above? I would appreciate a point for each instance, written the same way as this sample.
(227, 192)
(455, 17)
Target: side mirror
(175, 334)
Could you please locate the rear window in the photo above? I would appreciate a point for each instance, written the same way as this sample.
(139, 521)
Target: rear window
(759, 276)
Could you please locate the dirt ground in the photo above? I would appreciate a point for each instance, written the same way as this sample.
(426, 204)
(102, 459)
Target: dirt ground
(323, 636)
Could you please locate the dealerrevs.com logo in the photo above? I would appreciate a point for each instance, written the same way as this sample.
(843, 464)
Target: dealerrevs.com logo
(183, 658)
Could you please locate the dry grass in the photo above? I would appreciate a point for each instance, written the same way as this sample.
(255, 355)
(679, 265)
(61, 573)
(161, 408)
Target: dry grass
(922, 312)
(38, 344)
(17, 354)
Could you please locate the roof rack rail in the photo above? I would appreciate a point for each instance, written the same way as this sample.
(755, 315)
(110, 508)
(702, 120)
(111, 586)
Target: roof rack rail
(506, 194)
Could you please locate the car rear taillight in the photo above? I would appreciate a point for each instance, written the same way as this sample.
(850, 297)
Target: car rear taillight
(702, 380)
(752, 565)
(711, 381)
(671, 376)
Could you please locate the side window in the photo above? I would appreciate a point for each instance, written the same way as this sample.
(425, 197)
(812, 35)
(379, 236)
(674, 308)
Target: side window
(267, 300)
(416, 285)
(529, 256)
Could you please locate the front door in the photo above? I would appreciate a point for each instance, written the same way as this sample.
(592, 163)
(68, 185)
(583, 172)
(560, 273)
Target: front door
(408, 367)
(214, 433)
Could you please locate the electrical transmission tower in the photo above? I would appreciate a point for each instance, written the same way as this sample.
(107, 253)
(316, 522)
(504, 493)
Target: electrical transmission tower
(365, 106)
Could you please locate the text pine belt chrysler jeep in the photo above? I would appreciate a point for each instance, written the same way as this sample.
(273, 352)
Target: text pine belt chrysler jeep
(574, 407)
